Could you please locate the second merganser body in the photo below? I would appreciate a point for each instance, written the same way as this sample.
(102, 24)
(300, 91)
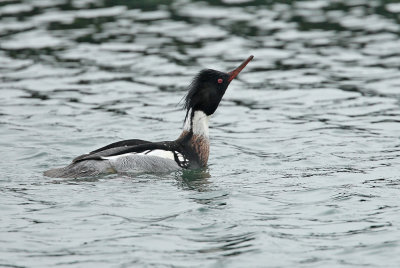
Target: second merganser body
(190, 150)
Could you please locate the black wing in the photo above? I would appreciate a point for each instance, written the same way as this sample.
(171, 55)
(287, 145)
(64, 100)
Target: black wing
(133, 142)
(138, 146)
(110, 149)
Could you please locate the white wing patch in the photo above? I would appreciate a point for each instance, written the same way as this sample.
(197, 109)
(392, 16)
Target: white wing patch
(183, 162)
(116, 156)
(180, 157)
(158, 152)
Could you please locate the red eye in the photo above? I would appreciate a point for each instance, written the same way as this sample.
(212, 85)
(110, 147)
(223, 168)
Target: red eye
(220, 81)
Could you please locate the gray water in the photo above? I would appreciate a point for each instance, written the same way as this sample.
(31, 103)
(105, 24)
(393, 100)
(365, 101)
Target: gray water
(304, 163)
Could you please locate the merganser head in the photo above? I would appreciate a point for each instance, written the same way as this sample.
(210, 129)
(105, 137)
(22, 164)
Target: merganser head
(208, 88)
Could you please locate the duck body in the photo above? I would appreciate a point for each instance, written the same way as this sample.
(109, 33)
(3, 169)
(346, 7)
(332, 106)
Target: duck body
(138, 156)
(189, 151)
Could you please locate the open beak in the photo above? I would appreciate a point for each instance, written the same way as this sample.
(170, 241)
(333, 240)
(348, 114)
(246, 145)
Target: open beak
(235, 72)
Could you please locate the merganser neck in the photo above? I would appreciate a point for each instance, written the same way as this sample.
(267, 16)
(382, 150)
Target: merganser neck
(194, 137)
(197, 123)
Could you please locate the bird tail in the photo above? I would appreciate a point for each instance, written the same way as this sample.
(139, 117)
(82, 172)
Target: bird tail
(80, 169)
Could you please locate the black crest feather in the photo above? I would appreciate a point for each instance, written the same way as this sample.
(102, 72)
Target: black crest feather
(204, 92)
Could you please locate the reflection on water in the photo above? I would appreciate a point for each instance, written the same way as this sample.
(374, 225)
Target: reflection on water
(193, 179)
(304, 163)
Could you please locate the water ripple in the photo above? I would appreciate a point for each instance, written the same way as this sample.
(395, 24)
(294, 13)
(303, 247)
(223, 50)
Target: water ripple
(304, 163)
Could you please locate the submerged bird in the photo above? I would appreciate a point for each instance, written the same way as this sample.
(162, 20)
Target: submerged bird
(190, 150)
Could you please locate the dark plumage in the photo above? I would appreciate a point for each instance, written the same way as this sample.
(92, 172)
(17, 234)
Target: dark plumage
(205, 93)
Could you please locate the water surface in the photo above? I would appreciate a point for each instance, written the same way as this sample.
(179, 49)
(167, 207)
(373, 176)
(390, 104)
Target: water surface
(305, 146)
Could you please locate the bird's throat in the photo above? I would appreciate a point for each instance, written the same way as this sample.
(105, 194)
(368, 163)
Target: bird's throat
(197, 123)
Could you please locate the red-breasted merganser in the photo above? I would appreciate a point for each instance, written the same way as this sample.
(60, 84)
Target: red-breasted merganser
(190, 150)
